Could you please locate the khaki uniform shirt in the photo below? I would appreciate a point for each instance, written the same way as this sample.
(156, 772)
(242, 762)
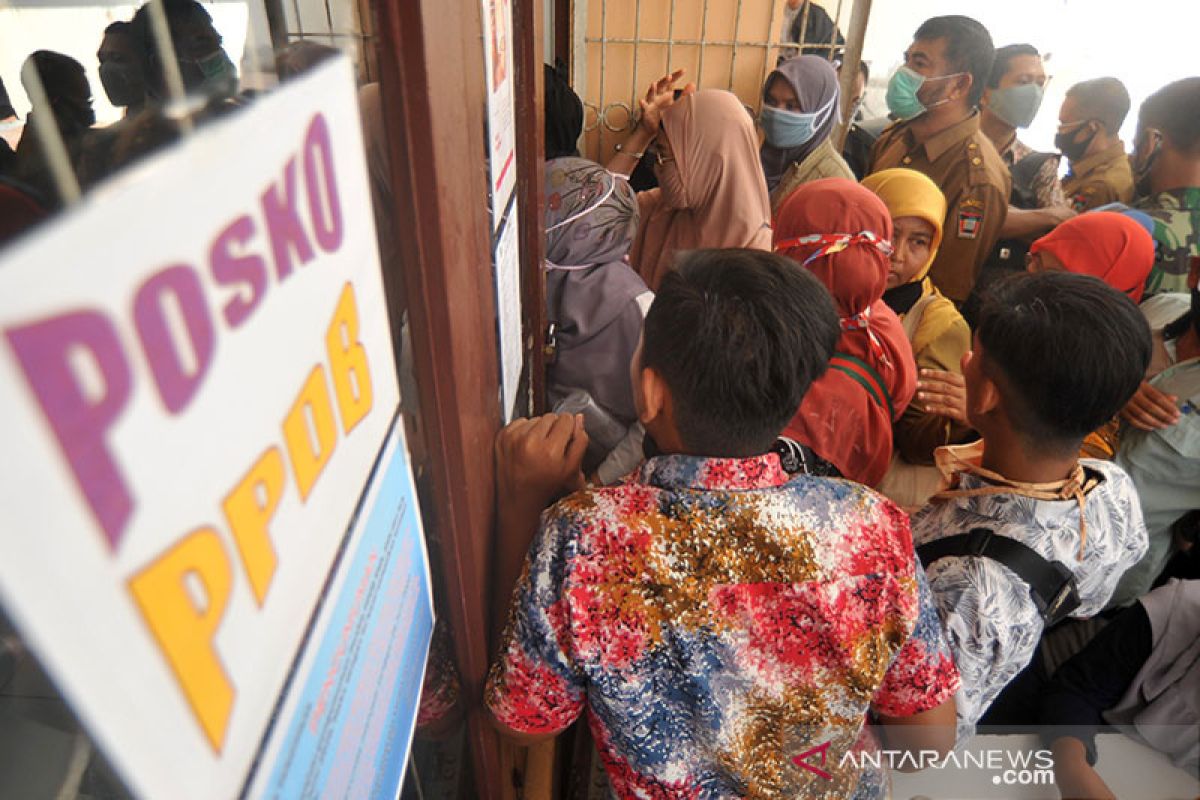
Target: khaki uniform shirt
(1099, 179)
(964, 163)
(823, 162)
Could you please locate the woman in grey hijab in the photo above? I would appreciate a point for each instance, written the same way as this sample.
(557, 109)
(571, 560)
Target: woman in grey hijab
(595, 305)
(800, 109)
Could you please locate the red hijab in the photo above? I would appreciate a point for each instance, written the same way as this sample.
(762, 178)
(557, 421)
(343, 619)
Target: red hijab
(1106, 245)
(841, 233)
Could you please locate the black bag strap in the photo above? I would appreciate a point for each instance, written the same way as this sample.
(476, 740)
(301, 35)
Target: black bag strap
(1051, 583)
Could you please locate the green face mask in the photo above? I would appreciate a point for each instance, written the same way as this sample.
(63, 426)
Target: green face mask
(902, 92)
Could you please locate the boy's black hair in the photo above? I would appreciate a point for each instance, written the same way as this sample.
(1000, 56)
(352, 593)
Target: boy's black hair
(1066, 351)
(969, 48)
(1175, 110)
(1102, 99)
(738, 336)
(1003, 60)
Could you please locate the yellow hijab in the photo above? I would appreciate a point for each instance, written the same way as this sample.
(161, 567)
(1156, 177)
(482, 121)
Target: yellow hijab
(908, 193)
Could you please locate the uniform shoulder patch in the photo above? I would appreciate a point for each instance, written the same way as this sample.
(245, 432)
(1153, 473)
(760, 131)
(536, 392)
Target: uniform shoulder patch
(970, 220)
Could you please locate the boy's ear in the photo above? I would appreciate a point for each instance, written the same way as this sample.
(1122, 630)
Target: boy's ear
(654, 395)
(986, 396)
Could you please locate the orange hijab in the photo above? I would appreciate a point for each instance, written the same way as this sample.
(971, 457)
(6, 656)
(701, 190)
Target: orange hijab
(716, 154)
(1106, 245)
(841, 232)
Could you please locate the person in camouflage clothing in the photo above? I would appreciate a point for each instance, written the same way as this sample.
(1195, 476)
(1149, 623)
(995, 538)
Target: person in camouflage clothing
(1167, 169)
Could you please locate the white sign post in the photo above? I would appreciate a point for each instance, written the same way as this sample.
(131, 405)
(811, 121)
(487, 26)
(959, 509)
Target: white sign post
(196, 379)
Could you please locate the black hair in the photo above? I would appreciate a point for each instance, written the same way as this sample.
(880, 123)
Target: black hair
(1175, 110)
(67, 90)
(564, 113)
(865, 70)
(968, 48)
(1105, 100)
(119, 27)
(60, 74)
(820, 35)
(1066, 351)
(738, 336)
(1003, 59)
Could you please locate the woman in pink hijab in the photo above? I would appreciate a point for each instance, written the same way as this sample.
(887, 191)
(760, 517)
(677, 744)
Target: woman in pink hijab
(711, 190)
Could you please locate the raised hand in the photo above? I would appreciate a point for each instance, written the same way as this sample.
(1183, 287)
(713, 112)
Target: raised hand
(943, 393)
(1151, 409)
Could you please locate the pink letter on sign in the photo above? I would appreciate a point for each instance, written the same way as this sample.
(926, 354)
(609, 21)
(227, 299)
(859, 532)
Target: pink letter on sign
(81, 421)
(283, 225)
(176, 383)
(322, 192)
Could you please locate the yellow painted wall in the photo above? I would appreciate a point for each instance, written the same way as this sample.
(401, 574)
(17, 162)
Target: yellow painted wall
(618, 73)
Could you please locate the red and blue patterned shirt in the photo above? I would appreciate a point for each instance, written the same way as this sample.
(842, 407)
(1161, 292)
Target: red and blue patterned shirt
(724, 625)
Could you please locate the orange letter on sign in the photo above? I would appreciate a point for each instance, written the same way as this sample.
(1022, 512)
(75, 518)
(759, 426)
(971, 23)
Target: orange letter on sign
(248, 509)
(307, 460)
(348, 362)
(185, 625)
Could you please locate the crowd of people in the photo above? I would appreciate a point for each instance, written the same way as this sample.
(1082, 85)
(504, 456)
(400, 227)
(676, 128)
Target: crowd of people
(854, 445)
(135, 81)
(859, 452)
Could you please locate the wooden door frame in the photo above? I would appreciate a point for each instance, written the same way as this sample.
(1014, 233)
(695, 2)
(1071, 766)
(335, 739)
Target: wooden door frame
(435, 107)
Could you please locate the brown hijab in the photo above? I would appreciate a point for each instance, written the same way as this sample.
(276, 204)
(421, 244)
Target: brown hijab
(723, 201)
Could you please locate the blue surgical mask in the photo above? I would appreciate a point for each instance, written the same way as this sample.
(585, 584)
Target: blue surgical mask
(786, 130)
(902, 92)
(1016, 105)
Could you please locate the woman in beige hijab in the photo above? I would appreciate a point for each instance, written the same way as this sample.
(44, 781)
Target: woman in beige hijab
(711, 190)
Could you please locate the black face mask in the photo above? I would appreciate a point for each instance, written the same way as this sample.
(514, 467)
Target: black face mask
(1072, 149)
(122, 83)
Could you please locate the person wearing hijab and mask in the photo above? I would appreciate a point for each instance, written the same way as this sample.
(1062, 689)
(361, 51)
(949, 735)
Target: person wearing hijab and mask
(938, 334)
(595, 305)
(711, 190)
(800, 108)
(842, 233)
(70, 109)
(203, 64)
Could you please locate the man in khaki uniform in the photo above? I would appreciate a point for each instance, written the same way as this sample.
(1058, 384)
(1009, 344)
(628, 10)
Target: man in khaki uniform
(1088, 135)
(935, 95)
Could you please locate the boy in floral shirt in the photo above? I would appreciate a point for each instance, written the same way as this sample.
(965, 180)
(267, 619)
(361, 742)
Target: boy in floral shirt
(728, 628)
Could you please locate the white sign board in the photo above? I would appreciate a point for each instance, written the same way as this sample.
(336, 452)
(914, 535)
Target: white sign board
(508, 312)
(502, 132)
(196, 378)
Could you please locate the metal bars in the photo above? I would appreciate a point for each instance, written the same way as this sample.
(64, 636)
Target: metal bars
(737, 25)
(619, 113)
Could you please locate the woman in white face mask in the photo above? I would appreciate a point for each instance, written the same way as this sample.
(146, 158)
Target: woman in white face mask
(800, 108)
